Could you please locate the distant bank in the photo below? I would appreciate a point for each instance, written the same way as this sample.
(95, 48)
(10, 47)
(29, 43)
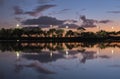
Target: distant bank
(62, 39)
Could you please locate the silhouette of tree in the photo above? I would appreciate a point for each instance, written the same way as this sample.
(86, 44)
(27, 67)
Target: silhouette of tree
(59, 32)
(69, 33)
(102, 33)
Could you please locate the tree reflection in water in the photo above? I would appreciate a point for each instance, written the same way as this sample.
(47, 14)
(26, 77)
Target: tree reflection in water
(22, 62)
(33, 55)
(50, 59)
(45, 51)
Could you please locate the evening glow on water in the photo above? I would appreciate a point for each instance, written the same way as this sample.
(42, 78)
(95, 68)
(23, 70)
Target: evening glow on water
(77, 62)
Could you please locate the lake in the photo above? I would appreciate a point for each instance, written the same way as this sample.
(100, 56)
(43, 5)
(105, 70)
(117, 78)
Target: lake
(76, 60)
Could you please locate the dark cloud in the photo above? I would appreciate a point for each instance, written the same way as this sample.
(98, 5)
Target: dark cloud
(44, 1)
(91, 22)
(43, 20)
(35, 12)
(87, 22)
(104, 56)
(105, 21)
(114, 12)
(39, 9)
(17, 10)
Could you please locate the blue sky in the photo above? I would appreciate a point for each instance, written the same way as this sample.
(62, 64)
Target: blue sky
(64, 9)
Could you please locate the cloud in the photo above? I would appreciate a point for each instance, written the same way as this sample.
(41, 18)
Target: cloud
(114, 12)
(35, 12)
(105, 21)
(70, 21)
(104, 56)
(17, 10)
(91, 22)
(44, 1)
(69, 25)
(87, 22)
(43, 20)
(39, 9)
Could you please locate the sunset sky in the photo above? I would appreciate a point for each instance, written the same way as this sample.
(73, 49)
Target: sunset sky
(86, 13)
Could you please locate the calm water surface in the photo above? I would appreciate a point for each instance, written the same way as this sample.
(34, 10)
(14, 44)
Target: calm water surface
(60, 61)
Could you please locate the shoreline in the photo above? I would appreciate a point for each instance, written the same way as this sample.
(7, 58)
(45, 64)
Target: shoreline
(62, 39)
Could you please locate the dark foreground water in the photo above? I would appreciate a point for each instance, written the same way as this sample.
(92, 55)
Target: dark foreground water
(60, 61)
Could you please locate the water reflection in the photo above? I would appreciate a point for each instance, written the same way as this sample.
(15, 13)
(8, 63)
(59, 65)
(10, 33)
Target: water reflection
(54, 60)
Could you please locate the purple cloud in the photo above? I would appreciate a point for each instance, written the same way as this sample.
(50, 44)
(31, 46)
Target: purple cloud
(105, 21)
(87, 22)
(35, 12)
(43, 20)
(44, 1)
(39, 9)
(91, 22)
(104, 56)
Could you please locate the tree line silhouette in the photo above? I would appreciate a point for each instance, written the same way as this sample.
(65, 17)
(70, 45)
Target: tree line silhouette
(58, 34)
(38, 47)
